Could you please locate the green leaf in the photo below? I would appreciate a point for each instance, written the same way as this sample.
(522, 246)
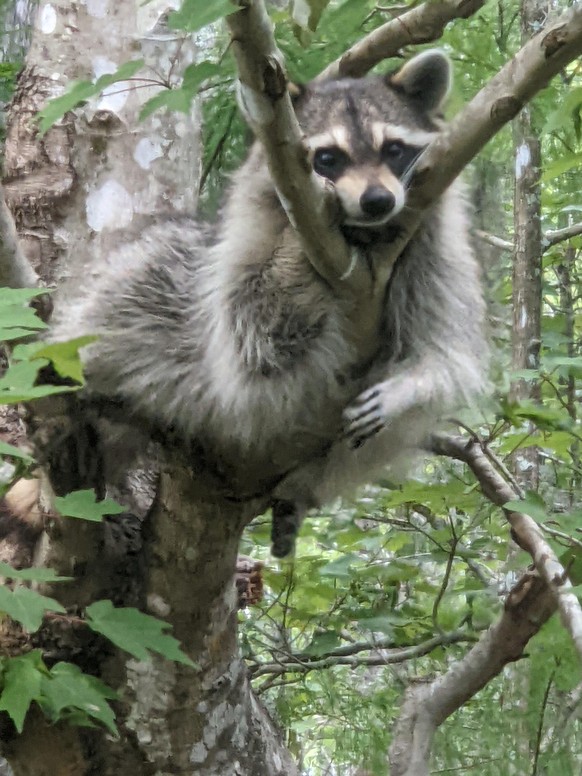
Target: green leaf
(15, 452)
(532, 505)
(381, 624)
(14, 296)
(195, 75)
(194, 14)
(123, 72)
(572, 560)
(180, 99)
(81, 91)
(307, 13)
(77, 93)
(323, 643)
(68, 688)
(31, 574)
(22, 679)
(173, 99)
(17, 319)
(135, 632)
(84, 505)
(27, 606)
(18, 383)
(563, 164)
(563, 114)
(340, 567)
(346, 16)
(65, 356)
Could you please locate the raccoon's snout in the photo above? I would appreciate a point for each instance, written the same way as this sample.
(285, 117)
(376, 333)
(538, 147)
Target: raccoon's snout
(377, 201)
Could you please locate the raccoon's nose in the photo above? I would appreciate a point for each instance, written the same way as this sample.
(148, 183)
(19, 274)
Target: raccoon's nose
(377, 201)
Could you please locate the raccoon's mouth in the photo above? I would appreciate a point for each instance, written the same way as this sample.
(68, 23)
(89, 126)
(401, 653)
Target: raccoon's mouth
(365, 236)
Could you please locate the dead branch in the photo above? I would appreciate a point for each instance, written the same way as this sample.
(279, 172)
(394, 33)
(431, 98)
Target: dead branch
(553, 237)
(350, 655)
(422, 24)
(527, 532)
(427, 704)
(550, 238)
(494, 240)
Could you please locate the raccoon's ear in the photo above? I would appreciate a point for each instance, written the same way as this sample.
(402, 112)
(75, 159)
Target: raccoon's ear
(426, 78)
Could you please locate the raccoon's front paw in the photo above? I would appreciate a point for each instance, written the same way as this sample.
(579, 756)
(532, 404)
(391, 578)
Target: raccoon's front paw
(364, 417)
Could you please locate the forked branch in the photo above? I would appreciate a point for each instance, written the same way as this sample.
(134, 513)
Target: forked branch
(422, 24)
(427, 704)
(527, 531)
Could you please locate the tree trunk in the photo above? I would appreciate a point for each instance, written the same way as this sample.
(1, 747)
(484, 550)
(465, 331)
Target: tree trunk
(527, 266)
(96, 172)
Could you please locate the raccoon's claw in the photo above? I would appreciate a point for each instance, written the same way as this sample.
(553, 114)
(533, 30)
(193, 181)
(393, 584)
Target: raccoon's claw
(364, 418)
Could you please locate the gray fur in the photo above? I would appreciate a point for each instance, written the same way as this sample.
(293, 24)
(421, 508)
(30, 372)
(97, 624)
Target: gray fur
(233, 340)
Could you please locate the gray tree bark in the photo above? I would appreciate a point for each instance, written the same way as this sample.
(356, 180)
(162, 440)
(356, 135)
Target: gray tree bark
(93, 178)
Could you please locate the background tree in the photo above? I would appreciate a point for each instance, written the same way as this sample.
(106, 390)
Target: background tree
(394, 586)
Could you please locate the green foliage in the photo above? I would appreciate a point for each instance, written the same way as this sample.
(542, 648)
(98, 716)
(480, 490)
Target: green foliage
(22, 679)
(194, 15)
(404, 565)
(27, 607)
(63, 692)
(180, 99)
(81, 91)
(31, 574)
(84, 505)
(64, 356)
(17, 319)
(69, 694)
(135, 632)
(8, 73)
(19, 382)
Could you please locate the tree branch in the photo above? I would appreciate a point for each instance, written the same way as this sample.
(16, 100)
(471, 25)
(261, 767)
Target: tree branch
(494, 106)
(555, 236)
(308, 201)
(422, 24)
(426, 705)
(350, 655)
(550, 238)
(528, 534)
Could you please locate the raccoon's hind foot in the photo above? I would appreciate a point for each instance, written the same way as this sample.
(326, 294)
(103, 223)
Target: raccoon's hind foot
(287, 518)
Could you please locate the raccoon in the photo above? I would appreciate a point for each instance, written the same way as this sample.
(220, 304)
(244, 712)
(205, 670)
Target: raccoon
(227, 337)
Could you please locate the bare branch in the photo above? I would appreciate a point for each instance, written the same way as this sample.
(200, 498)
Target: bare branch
(492, 239)
(528, 534)
(427, 705)
(556, 236)
(350, 655)
(15, 270)
(422, 24)
(550, 238)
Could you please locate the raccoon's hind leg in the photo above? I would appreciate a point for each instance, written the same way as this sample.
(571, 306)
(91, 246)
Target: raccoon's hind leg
(287, 516)
(285, 527)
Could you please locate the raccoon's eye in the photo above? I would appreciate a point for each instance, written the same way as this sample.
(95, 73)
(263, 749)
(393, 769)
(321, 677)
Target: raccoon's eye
(392, 150)
(330, 162)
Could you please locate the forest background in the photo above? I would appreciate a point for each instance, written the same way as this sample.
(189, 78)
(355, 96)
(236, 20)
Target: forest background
(403, 581)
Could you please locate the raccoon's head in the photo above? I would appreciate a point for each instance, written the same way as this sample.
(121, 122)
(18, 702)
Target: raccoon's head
(364, 135)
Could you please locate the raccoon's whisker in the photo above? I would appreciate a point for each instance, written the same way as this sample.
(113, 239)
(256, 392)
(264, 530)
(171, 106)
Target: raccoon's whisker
(409, 171)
